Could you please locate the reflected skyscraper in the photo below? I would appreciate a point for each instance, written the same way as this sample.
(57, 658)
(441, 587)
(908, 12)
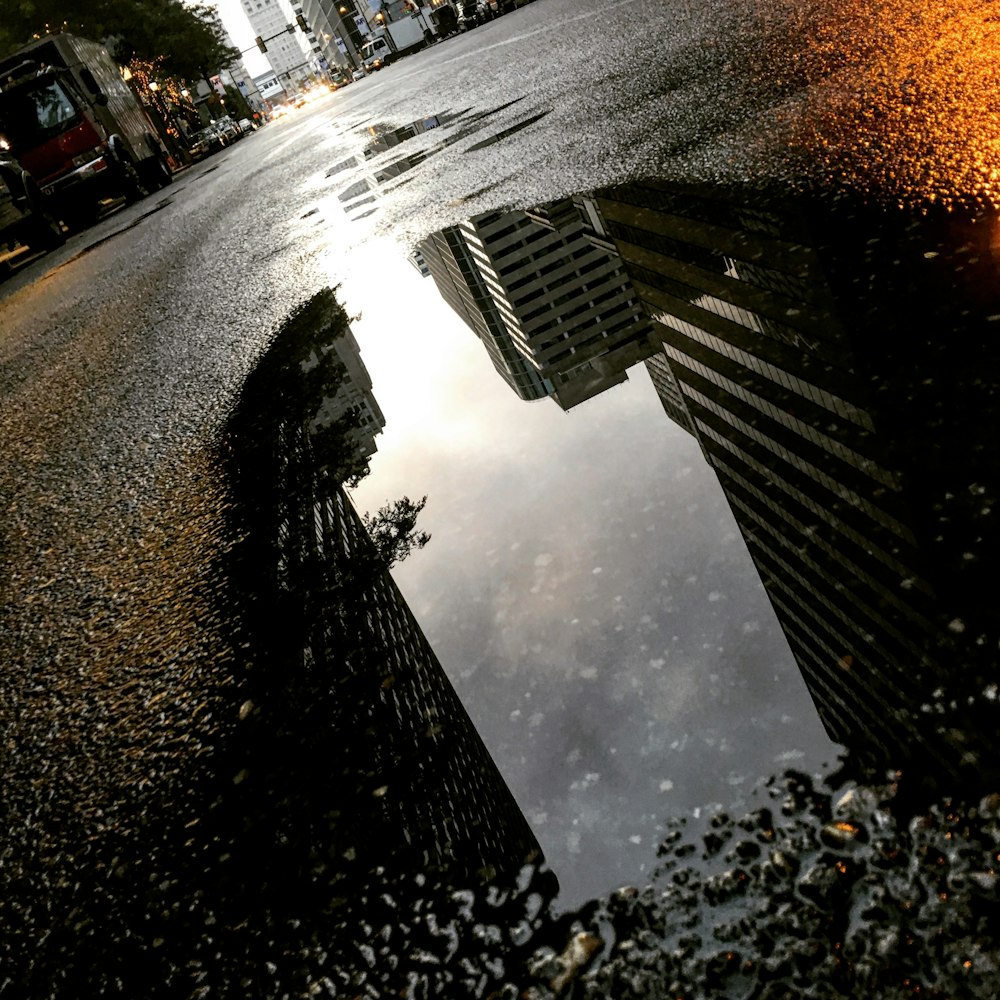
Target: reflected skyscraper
(547, 297)
(350, 399)
(838, 369)
(416, 788)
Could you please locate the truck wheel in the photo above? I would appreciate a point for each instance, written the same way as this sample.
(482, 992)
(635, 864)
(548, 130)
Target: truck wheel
(80, 217)
(130, 184)
(45, 233)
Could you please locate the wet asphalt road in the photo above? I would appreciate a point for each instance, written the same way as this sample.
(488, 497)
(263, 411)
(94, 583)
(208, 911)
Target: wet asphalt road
(122, 354)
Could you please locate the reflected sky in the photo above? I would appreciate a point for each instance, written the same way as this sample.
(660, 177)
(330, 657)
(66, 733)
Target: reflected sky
(586, 589)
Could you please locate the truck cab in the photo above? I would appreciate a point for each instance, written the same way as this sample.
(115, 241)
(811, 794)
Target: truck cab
(75, 125)
(376, 54)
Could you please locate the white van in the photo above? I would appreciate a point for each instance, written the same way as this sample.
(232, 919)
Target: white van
(376, 54)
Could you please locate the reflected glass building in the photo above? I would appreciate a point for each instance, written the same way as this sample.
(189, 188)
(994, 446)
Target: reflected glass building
(837, 365)
(547, 296)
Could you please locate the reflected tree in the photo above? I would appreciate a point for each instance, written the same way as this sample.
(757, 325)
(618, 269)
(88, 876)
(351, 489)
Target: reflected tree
(393, 530)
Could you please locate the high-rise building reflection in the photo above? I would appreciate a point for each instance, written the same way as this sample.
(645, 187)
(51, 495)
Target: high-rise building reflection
(552, 306)
(836, 363)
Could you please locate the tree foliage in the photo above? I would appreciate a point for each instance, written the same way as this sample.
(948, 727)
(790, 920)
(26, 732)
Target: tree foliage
(393, 529)
(187, 40)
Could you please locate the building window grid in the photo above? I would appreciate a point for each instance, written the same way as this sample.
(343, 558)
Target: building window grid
(613, 288)
(823, 575)
(822, 675)
(824, 513)
(804, 531)
(775, 585)
(578, 318)
(652, 284)
(686, 205)
(709, 259)
(820, 477)
(793, 423)
(778, 375)
(890, 712)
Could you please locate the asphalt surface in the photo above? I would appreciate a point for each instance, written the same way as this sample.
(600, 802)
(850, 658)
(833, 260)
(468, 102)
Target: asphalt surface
(122, 354)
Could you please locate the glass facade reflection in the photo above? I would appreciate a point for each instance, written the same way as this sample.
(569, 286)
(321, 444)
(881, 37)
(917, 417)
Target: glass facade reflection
(547, 297)
(818, 360)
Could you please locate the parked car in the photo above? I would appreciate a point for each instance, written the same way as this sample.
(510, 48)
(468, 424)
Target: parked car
(246, 125)
(205, 142)
(26, 216)
(228, 128)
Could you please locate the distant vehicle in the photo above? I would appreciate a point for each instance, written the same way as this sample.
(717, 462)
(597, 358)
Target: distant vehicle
(205, 142)
(246, 126)
(394, 40)
(445, 20)
(299, 101)
(358, 74)
(228, 128)
(26, 216)
(376, 54)
(473, 13)
(74, 124)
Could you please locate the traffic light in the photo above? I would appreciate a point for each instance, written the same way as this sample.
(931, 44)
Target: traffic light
(301, 22)
(260, 44)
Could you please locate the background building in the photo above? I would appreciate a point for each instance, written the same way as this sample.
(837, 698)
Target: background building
(288, 51)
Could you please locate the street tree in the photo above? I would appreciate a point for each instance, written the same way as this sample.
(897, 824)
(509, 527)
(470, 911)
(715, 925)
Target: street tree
(187, 41)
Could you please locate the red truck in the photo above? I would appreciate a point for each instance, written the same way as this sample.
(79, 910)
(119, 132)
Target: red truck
(76, 127)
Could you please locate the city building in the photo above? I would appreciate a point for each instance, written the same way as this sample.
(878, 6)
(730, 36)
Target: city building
(288, 50)
(328, 34)
(269, 87)
(823, 356)
(546, 295)
(208, 92)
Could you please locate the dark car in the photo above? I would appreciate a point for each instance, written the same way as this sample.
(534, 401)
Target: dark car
(204, 142)
(26, 217)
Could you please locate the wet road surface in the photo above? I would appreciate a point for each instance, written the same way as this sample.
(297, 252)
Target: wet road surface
(586, 590)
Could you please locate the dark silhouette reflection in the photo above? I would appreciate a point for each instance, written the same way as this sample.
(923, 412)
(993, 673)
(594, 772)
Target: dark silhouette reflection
(422, 785)
(340, 827)
(837, 363)
(365, 797)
